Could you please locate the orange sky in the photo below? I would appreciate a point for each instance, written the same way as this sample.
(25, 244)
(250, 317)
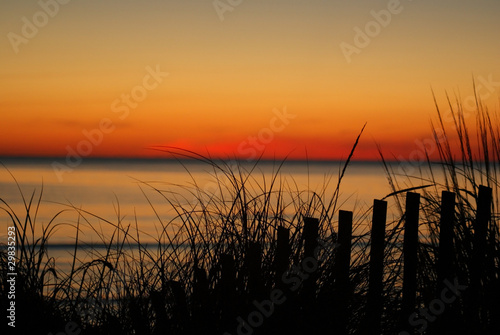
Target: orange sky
(89, 69)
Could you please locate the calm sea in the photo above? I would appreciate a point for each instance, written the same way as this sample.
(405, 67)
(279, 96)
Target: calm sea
(125, 191)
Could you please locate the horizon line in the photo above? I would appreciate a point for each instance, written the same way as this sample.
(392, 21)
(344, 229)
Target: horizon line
(185, 158)
(203, 159)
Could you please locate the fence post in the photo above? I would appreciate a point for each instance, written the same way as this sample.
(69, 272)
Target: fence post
(200, 300)
(446, 259)
(253, 268)
(483, 217)
(311, 227)
(178, 306)
(341, 269)
(280, 322)
(282, 256)
(227, 290)
(410, 246)
(375, 286)
(228, 274)
(445, 253)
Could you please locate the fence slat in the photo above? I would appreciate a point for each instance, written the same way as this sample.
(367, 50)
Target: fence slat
(483, 217)
(375, 286)
(480, 231)
(253, 267)
(410, 246)
(343, 258)
(311, 226)
(445, 262)
(200, 300)
(282, 255)
(227, 289)
(446, 252)
(341, 269)
(282, 314)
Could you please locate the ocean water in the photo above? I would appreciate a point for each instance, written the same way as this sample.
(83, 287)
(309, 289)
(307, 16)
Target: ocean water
(127, 191)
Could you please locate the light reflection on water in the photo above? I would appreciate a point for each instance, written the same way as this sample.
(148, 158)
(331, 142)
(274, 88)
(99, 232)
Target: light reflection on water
(113, 190)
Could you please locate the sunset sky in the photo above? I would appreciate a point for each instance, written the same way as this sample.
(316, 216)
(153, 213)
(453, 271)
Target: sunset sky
(236, 77)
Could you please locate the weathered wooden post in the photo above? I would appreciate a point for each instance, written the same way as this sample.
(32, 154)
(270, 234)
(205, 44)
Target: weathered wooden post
(410, 246)
(445, 260)
(162, 321)
(178, 306)
(253, 268)
(282, 256)
(228, 274)
(483, 217)
(341, 269)
(200, 300)
(445, 254)
(280, 321)
(375, 286)
(311, 227)
(227, 289)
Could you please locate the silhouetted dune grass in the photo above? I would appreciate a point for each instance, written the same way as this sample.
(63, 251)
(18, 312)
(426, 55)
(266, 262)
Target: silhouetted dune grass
(227, 251)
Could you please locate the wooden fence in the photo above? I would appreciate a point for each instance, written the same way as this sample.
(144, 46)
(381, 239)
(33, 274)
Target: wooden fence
(459, 302)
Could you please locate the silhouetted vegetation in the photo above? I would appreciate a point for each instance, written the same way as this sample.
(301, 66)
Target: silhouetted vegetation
(216, 265)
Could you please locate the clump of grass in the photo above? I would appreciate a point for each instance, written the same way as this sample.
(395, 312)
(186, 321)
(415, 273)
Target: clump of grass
(36, 271)
(217, 253)
(466, 159)
(133, 287)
